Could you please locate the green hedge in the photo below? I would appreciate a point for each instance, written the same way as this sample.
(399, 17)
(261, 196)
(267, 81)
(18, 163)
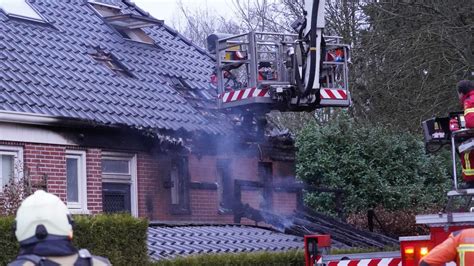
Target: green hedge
(119, 237)
(288, 258)
(9, 246)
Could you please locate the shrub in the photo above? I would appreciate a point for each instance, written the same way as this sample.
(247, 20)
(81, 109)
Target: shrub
(395, 222)
(373, 164)
(288, 258)
(18, 187)
(119, 237)
(9, 245)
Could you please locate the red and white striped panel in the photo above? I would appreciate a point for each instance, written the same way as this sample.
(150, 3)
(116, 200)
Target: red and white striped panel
(333, 94)
(232, 96)
(237, 95)
(368, 262)
(319, 260)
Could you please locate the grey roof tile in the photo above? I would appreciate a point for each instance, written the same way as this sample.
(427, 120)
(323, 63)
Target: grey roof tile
(47, 69)
(167, 242)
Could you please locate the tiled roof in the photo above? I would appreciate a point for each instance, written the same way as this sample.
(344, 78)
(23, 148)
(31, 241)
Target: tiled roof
(47, 69)
(166, 242)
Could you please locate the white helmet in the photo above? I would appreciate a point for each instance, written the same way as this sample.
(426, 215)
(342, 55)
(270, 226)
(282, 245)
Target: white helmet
(42, 216)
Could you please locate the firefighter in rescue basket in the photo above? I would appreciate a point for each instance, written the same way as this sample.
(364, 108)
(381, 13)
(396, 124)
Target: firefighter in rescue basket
(465, 89)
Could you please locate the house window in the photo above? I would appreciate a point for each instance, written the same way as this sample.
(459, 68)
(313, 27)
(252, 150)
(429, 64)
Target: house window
(265, 173)
(10, 164)
(119, 179)
(76, 181)
(20, 9)
(111, 62)
(179, 177)
(226, 193)
(129, 26)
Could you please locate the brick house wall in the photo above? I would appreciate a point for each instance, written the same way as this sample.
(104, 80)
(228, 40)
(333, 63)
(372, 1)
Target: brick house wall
(94, 179)
(204, 203)
(48, 162)
(153, 170)
(284, 202)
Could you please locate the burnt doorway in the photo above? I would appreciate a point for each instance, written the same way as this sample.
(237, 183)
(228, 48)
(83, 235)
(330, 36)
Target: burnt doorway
(179, 175)
(226, 193)
(119, 179)
(265, 174)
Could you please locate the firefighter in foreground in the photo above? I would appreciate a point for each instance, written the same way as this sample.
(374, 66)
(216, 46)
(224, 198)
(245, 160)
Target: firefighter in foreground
(458, 247)
(43, 226)
(465, 89)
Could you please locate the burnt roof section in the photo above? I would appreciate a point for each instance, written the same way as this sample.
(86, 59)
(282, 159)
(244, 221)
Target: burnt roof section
(167, 242)
(47, 69)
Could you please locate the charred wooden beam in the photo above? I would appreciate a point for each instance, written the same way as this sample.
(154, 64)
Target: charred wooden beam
(203, 186)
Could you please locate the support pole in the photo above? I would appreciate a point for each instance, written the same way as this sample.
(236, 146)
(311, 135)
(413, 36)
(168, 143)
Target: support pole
(453, 154)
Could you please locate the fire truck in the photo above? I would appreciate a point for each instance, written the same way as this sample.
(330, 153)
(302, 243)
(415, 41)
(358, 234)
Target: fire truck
(257, 72)
(458, 214)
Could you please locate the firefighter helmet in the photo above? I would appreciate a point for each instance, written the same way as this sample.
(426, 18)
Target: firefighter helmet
(42, 216)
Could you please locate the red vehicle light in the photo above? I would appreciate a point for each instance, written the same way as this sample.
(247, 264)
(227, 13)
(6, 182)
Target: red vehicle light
(409, 253)
(423, 251)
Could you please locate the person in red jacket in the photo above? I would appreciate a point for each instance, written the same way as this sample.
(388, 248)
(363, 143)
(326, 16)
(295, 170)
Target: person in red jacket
(465, 90)
(466, 96)
(458, 247)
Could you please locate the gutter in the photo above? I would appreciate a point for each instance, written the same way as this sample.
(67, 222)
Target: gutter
(27, 118)
(39, 119)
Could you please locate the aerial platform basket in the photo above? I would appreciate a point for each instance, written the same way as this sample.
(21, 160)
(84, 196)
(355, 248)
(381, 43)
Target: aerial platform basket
(262, 70)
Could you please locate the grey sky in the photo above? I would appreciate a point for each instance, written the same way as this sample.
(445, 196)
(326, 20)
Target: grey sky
(168, 9)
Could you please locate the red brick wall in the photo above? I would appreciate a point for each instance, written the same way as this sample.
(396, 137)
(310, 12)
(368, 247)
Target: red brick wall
(204, 206)
(49, 161)
(203, 168)
(245, 168)
(153, 170)
(284, 202)
(254, 198)
(153, 199)
(94, 180)
(284, 172)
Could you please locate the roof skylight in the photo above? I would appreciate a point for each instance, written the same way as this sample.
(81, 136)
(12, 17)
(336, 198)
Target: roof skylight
(129, 26)
(110, 61)
(20, 9)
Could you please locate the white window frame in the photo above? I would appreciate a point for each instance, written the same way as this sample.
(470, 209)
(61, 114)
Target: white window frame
(123, 178)
(17, 152)
(79, 207)
(25, 6)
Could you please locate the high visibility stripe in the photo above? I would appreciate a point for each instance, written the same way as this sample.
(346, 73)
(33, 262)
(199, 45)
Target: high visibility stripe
(466, 161)
(368, 262)
(468, 111)
(462, 250)
(468, 172)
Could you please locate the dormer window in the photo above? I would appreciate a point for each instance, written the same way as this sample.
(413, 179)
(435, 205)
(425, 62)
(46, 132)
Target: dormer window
(20, 9)
(129, 26)
(110, 61)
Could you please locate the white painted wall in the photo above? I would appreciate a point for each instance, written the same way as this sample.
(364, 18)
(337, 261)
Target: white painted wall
(27, 133)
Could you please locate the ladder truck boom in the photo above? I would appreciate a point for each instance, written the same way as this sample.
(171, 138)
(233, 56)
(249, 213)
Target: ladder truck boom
(263, 71)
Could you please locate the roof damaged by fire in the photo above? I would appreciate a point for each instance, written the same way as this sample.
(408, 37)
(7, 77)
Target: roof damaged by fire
(47, 69)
